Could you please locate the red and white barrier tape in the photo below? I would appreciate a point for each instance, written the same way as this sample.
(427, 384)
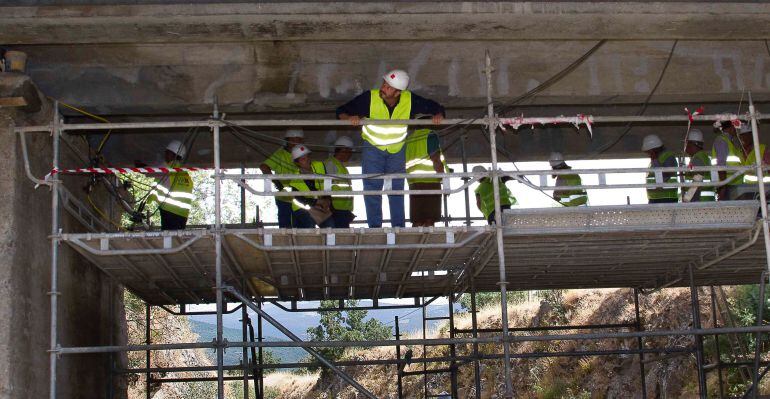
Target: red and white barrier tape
(580, 119)
(120, 171)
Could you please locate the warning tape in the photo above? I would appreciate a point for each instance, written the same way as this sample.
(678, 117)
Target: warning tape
(121, 171)
(580, 119)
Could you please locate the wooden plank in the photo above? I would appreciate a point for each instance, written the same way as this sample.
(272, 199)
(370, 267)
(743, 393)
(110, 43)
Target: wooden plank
(13, 102)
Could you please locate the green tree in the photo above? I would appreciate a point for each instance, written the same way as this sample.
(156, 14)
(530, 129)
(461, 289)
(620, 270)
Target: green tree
(484, 299)
(348, 325)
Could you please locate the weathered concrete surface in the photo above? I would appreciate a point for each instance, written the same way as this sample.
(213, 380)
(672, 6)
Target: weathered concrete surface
(90, 305)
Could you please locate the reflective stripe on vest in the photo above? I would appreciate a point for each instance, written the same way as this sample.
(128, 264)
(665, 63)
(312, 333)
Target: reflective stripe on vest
(570, 197)
(300, 185)
(734, 157)
(418, 160)
(664, 193)
(174, 193)
(750, 177)
(388, 138)
(706, 193)
(486, 191)
(335, 167)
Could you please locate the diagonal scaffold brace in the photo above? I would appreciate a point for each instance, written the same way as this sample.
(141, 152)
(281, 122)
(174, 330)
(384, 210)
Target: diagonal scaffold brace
(345, 376)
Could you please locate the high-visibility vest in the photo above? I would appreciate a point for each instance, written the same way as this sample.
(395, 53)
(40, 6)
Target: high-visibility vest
(570, 197)
(750, 177)
(388, 138)
(666, 193)
(300, 185)
(173, 193)
(418, 160)
(700, 158)
(335, 167)
(486, 191)
(282, 164)
(734, 157)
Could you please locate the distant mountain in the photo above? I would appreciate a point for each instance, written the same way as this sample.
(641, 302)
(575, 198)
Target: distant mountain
(207, 332)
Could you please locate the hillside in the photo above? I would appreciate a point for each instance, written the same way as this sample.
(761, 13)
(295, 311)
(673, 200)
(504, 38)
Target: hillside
(667, 376)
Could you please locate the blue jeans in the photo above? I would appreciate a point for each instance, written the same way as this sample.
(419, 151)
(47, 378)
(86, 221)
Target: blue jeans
(374, 160)
(284, 213)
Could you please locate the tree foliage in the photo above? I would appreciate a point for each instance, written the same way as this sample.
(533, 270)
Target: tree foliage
(348, 325)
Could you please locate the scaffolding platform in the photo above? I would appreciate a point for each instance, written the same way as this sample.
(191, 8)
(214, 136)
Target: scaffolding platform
(643, 246)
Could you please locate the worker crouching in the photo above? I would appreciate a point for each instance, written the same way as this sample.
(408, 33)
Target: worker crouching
(485, 195)
(309, 211)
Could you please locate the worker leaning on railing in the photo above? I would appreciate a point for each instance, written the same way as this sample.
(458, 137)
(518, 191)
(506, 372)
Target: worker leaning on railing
(660, 157)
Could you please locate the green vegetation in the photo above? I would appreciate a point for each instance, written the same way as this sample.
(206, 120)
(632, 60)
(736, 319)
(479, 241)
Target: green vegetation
(346, 326)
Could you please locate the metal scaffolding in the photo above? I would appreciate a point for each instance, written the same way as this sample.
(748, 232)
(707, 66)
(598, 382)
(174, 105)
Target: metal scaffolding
(726, 229)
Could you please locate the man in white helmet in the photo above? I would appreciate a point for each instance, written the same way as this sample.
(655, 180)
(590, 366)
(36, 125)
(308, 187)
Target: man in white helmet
(485, 195)
(726, 151)
(698, 158)
(309, 211)
(660, 157)
(749, 158)
(342, 207)
(281, 163)
(173, 191)
(577, 197)
(383, 150)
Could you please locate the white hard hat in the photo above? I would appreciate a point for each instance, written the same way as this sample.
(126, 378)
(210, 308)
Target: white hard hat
(177, 148)
(344, 141)
(746, 128)
(695, 135)
(556, 159)
(650, 142)
(299, 151)
(479, 169)
(397, 79)
(294, 133)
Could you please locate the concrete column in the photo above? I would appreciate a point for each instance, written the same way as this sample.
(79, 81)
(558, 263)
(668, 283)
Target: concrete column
(90, 312)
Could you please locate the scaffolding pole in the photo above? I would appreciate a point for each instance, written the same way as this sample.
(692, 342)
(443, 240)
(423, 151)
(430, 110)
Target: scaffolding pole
(499, 230)
(717, 352)
(147, 353)
(54, 293)
(218, 262)
(695, 304)
(640, 344)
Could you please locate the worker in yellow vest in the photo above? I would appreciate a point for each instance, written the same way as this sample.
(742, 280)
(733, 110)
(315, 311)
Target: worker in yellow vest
(660, 157)
(424, 156)
(383, 150)
(281, 163)
(309, 210)
(342, 206)
(173, 192)
(485, 195)
(577, 197)
(750, 159)
(698, 158)
(726, 151)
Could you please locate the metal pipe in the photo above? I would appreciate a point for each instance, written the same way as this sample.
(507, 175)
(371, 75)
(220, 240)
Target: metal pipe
(760, 181)
(54, 293)
(466, 191)
(411, 122)
(260, 355)
(474, 331)
(399, 382)
(452, 349)
(758, 338)
(715, 324)
(695, 303)
(218, 264)
(147, 358)
(406, 342)
(245, 351)
(25, 155)
(640, 344)
(296, 339)
(498, 228)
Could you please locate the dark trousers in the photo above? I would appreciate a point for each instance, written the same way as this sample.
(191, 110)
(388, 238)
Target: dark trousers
(662, 201)
(342, 219)
(172, 221)
(301, 219)
(284, 213)
(491, 218)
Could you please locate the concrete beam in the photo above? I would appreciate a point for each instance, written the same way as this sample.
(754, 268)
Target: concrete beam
(18, 91)
(383, 21)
